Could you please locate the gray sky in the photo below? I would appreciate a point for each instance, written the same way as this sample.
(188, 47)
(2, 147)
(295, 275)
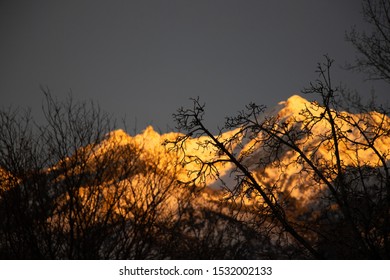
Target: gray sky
(144, 59)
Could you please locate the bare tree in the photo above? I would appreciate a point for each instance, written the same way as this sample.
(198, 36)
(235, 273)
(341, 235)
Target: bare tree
(191, 121)
(326, 147)
(74, 188)
(373, 47)
(20, 159)
(71, 188)
(358, 186)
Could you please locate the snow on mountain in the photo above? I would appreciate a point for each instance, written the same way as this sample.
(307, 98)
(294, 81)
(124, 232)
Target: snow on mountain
(304, 121)
(288, 171)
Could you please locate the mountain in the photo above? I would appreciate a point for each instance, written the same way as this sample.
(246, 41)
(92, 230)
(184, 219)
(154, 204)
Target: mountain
(176, 196)
(303, 124)
(290, 116)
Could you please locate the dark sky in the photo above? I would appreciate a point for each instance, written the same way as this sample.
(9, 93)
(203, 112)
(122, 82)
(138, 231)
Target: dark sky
(144, 59)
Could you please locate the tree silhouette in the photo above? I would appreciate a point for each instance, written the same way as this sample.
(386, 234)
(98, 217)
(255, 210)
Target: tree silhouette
(325, 144)
(67, 194)
(373, 48)
(75, 188)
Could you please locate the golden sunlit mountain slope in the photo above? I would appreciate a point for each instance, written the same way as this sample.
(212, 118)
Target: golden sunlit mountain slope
(362, 140)
(295, 119)
(322, 170)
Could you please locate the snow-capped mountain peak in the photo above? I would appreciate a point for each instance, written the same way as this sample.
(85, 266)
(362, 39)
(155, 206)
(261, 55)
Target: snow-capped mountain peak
(289, 172)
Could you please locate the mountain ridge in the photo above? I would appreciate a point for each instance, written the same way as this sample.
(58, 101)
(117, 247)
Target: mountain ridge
(141, 192)
(287, 114)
